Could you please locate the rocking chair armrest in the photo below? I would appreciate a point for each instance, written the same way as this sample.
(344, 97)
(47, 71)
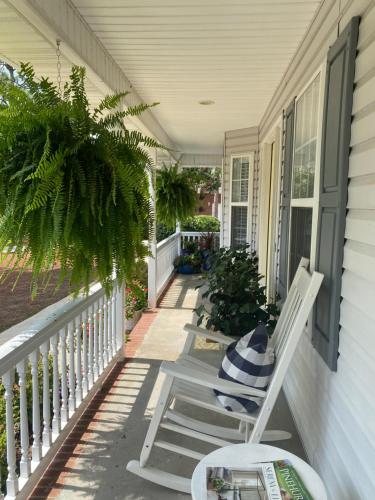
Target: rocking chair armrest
(195, 376)
(207, 334)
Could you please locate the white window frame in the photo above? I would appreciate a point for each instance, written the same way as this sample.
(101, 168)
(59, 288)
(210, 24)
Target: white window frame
(249, 203)
(314, 201)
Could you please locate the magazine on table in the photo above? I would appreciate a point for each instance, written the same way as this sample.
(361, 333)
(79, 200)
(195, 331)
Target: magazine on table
(277, 480)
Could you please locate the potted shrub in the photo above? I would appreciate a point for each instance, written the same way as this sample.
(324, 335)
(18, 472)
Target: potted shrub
(207, 247)
(238, 299)
(73, 181)
(190, 247)
(188, 264)
(135, 303)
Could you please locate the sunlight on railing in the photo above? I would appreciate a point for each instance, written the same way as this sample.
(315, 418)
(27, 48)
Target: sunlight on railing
(47, 373)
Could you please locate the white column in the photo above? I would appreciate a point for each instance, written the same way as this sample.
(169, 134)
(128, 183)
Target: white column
(25, 468)
(178, 231)
(12, 479)
(152, 259)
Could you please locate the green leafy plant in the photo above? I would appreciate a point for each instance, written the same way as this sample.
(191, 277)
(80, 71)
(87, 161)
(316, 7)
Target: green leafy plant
(163, 231)
(201, 223)
(136, 298)
(175, 196)
(73, 182)
(238, 299)
(190, 246)
(193, 260)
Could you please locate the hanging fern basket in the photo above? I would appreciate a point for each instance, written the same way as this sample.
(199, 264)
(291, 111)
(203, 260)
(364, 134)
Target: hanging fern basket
(73, 182)
(175, 196)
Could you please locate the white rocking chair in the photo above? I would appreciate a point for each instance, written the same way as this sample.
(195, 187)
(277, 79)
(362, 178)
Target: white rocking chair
(191, 381)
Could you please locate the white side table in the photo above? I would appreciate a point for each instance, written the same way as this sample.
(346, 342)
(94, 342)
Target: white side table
(238, 455)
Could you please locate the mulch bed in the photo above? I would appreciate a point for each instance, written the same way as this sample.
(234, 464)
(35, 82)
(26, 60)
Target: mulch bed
(17, 305)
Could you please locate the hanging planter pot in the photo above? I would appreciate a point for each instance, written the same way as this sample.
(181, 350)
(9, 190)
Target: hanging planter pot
(73, 181)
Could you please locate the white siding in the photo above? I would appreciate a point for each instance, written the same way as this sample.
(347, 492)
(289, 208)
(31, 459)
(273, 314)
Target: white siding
(335, 412)
(236, 142)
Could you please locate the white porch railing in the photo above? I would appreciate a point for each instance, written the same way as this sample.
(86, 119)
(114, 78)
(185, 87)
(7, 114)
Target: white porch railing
(48, 372)
(166, 251)
(160, 267)
(196, 236)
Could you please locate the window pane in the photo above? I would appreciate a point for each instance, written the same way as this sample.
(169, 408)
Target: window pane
(239, 226)
(305, 142)
(240, 179)
(300, 238)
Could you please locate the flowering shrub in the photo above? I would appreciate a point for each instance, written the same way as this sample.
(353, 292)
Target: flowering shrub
(136, 298)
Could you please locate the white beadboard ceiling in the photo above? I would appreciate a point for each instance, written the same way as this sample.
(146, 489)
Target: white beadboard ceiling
(179, 52)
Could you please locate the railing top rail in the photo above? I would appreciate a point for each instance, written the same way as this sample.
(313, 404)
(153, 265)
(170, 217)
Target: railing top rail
(198, 233)
(47, 323)
(168, 240)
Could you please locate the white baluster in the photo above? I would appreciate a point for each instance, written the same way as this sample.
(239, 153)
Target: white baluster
(25, 468)
(72, 373)
(56, 420)
(109, 326)
(100, 338)
(64, 385)
(96, 319)
(46, 434)
(36, 447)
(78, 330)
(85, 383)
(90, 328)
(105, 333)
(12, 479)
(113, 310)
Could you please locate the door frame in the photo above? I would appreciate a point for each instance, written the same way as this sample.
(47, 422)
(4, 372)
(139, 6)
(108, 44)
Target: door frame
(270, 178)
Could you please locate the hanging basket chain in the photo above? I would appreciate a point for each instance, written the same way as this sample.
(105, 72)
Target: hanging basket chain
(58, 54)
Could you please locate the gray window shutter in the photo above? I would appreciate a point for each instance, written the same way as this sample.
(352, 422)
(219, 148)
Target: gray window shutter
(282, 286)
(333, 194)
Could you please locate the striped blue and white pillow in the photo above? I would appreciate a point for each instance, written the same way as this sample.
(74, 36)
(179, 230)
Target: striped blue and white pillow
(250, 362)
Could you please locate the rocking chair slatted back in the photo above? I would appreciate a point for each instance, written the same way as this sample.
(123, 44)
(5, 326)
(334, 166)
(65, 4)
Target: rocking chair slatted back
(289, 329)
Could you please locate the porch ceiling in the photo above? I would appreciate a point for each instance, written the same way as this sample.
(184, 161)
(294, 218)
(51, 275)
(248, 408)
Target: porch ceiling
(179, 52)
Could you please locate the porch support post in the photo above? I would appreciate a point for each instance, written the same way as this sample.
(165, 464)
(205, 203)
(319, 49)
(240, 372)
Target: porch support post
(152, 259)
(178, 231)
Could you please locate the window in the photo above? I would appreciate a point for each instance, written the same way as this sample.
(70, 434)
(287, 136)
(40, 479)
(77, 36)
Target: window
(305, 153)
(239, 198)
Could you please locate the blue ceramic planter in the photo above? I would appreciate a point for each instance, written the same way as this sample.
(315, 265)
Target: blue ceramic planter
(187, 269)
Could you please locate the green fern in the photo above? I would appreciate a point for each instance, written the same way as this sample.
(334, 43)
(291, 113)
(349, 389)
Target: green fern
(73, 182)
(175, 197)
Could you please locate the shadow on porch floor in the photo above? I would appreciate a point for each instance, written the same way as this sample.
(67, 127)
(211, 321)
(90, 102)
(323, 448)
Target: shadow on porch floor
(92, 462)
